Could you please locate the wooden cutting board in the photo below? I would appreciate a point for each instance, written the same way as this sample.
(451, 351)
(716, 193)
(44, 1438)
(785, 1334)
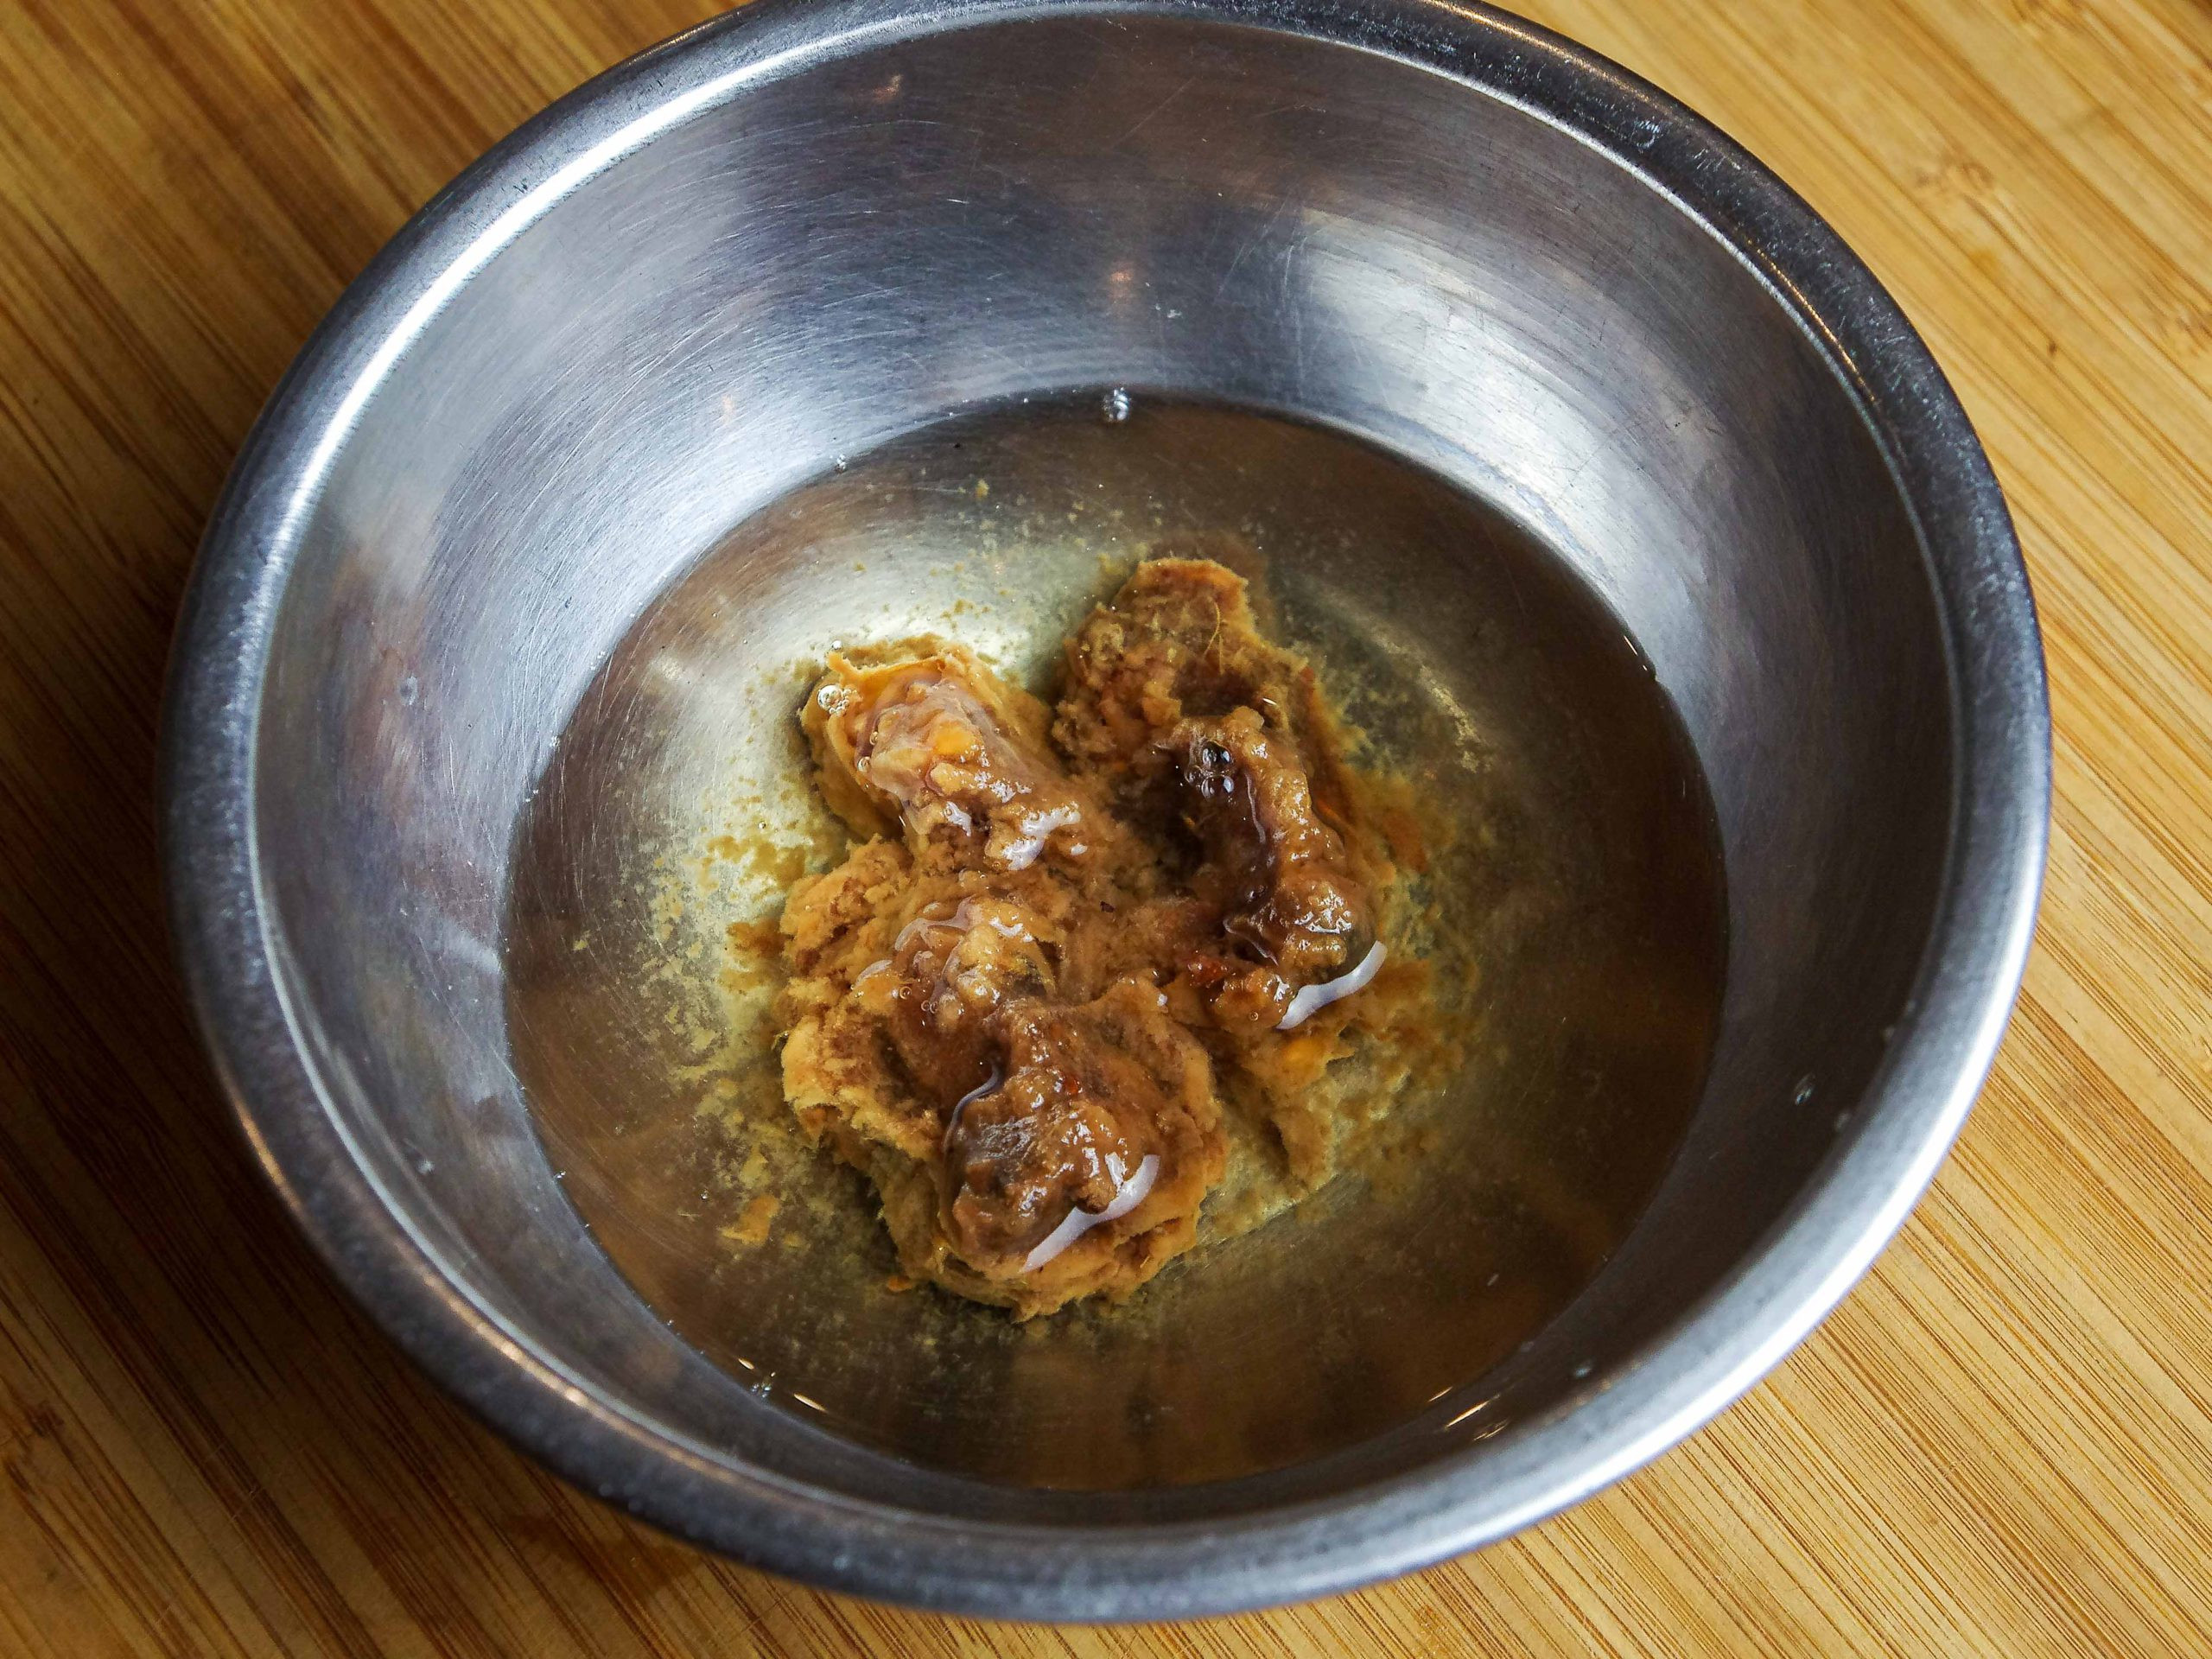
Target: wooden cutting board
(2002, 1443)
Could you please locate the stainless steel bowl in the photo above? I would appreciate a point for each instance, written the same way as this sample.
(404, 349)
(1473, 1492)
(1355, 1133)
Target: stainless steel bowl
(797, 233)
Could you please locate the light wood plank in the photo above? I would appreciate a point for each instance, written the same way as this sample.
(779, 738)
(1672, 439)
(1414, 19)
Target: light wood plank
(2002, 1444)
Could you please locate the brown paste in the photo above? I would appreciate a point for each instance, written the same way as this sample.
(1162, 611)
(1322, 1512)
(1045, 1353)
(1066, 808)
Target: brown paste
(1076, 949)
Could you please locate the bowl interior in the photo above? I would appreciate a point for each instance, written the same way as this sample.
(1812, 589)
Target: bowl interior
(1569, 908)
(548, 611)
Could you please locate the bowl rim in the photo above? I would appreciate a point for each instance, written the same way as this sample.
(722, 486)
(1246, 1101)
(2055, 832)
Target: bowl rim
(1913, 1106)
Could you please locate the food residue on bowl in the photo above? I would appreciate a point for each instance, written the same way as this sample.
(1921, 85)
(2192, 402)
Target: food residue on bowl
(1079, 996)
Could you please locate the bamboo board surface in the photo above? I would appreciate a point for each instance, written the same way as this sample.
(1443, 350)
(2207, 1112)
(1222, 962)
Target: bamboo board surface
(2002, 1444)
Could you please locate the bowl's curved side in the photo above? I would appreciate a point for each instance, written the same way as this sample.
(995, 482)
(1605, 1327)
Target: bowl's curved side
(1927, 1079)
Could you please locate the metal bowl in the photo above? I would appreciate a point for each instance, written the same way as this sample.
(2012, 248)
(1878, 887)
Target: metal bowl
(532, 470)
